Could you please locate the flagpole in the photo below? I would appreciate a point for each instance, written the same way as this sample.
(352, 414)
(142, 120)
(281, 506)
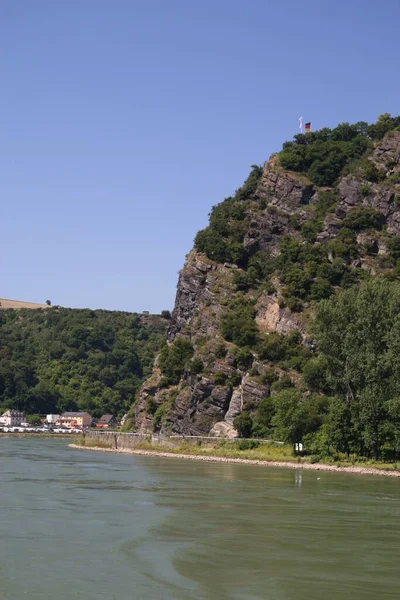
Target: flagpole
(301, 124)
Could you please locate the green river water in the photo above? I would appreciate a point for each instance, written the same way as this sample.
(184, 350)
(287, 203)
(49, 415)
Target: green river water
(91, 525)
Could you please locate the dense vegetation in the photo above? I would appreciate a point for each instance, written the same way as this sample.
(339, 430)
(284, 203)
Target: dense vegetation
(338, 390)
(351, 381)
(222, 240)
(68, 359)
(174, 359)
(323, 154)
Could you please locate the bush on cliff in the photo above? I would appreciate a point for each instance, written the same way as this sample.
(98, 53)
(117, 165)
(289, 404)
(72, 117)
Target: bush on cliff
(174, 359)
(321, 155)
(222, 240)
(360, 219)
(238, 325)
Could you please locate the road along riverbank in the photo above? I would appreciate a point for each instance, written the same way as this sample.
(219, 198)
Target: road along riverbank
(262, 463)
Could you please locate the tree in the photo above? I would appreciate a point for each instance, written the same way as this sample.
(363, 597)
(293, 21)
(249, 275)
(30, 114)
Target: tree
(174, 359)
(48, 302)
(358, 337)
(33, 419)
(289, 417)
(243, 424)
(73, 359)
(238, 325)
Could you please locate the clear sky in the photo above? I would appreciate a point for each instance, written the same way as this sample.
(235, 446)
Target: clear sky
(123, 122)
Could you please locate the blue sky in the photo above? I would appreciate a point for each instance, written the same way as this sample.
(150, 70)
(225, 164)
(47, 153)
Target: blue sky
(123, 122)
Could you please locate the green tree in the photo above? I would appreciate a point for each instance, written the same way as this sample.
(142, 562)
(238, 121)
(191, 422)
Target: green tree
(243, 424)
(289, 418)
(33, 419)
(174, 359)
(358, 337)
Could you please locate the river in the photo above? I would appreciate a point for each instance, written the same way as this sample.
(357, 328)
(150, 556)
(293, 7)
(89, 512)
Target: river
(91, 525)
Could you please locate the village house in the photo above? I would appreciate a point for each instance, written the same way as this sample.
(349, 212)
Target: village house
(12, 418)
(53, 419)
(107, 421)
(73, 420)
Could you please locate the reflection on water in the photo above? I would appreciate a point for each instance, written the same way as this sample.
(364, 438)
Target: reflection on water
(298, 478)
(75, 524)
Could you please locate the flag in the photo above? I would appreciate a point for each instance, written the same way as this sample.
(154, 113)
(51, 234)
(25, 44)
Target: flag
(307, 127)
(301, 123)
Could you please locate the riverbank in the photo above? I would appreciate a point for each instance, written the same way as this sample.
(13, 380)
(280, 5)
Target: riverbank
(70, 436)
(360, 470)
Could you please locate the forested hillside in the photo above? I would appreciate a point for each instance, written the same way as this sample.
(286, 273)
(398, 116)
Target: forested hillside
(68, 359)
(287, 315)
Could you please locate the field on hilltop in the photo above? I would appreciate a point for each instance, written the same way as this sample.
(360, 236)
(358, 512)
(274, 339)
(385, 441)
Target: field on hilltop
(17, 304)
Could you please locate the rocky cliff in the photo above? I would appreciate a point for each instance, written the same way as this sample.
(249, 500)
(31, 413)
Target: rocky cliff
(256, 274)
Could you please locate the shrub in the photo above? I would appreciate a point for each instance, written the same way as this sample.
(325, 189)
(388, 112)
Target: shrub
(173, 360)
(272, 348)
(234, 380)
(372, 173)
(196, 365)
(365, 190)
(151, 406)
(247, 444)
(323, 154)
(345, 244)
(159, 415)
(250, 185)
(310, 230)
(359, 219)
(222, 240)
(283, 383)
(384, 124)
(326, 203)
(393, 245)
(212, 244)
(165, 314)
(238, 325)
(268, 376)
(221, 351)
(244, 358)
(243, 424)
(220, 378)
(294, 304)
(321, 288)
(300, 264)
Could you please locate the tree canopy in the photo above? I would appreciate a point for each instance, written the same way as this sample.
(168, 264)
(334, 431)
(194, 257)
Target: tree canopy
(68, 359)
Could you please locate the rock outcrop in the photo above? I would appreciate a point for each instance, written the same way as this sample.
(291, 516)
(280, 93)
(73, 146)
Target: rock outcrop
(281, 204)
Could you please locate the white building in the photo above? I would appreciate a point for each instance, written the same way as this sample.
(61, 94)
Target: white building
(12, 418)
(52, 419)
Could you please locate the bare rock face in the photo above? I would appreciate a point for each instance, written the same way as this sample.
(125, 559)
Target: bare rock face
(192, 285)
(223, 429)
(350, 191)
(284, 190)
(235, 405)
(270, 317)
(387, 152)
(286, 195)
(252, 393)
(246, 397)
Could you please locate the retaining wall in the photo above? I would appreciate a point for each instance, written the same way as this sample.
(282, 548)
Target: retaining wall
(116, 439)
